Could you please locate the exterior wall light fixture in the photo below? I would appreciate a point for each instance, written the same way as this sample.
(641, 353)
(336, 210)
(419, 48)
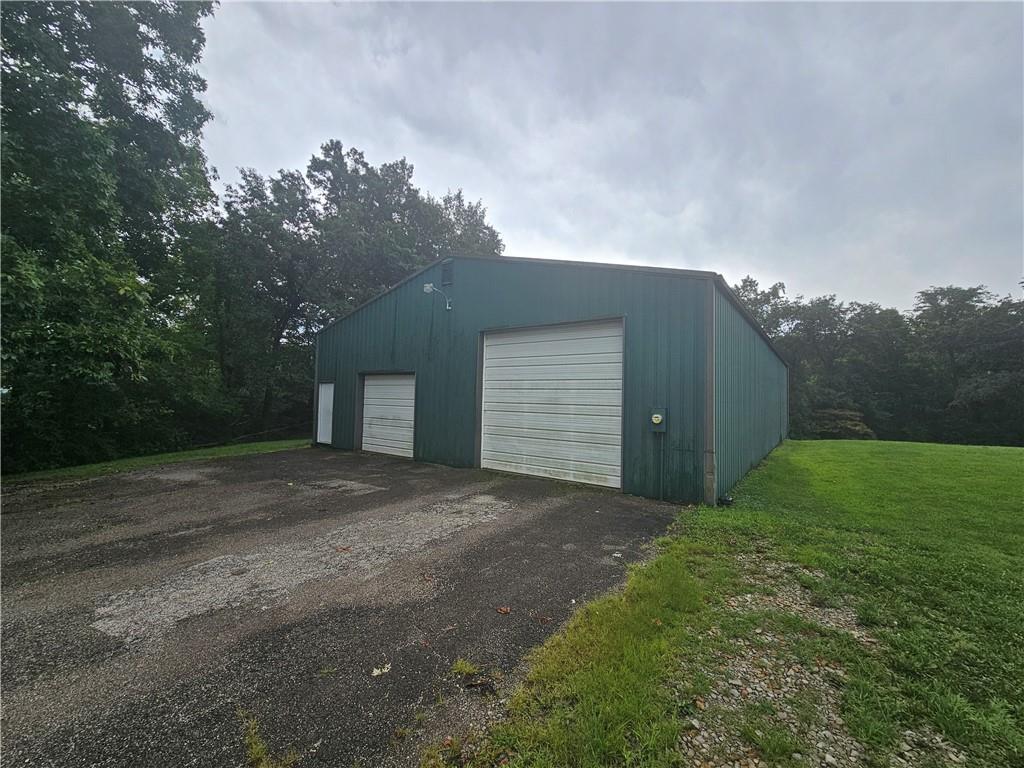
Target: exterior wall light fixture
(431, 288)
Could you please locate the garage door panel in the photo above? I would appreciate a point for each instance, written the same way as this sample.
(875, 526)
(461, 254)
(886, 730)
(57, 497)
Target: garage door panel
(552, 402)
(390, 440)
(395, 427)
(389, 430)
(574, 437)
(564, 398)
(396, 398)
(574, 388)
(400, 408)
(574, 358)
(558, 333)
(511, 459)
(390, 408)
(384, 416)
(388, 393)
(573, 385)
(555, 409)
(554, 447)
(555, 421)
(576, 475)
(608, 426)
(556, 372)
(545, 467)
(389, 414)
(391, 447)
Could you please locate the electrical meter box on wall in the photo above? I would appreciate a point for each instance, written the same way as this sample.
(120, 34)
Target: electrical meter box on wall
(657, 419)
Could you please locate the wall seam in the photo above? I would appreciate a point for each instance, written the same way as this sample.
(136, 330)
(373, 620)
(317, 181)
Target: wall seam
(710, 465)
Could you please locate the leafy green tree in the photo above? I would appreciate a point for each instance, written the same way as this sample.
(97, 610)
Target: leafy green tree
(269, 270)
(951, 370)
(770, 306)
(298, 250)
(101, 168)
(973, 346)
(465, 230)
(137, 317)
(880, 375)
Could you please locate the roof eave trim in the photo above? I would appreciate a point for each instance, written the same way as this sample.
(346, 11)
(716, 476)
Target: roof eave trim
(694, 273)
(737, 302)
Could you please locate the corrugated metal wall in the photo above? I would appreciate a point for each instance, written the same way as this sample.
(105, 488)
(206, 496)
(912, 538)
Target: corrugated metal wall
(751, 395)
(407, 330)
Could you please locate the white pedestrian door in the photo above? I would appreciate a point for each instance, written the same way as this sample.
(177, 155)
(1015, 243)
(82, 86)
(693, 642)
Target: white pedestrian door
(389, 411)
(552, 402)
(325, 413)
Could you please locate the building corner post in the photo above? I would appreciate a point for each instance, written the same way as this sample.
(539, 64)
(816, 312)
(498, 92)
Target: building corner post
(316, 389)
(710, 460)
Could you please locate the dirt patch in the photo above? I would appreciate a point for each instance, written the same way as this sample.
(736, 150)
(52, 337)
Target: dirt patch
(352, 487)
(768, 706)
(459, 714)
(784, 593)
(360, 550)
(762, 687)
(186, 474)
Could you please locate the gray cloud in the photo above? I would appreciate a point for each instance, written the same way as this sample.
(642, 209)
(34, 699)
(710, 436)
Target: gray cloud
(865, 150)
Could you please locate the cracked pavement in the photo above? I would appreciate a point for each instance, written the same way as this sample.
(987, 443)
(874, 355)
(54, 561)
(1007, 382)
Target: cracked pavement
(143, 611)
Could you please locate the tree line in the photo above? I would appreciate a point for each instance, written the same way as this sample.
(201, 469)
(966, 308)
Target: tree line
(143, 313)
(140, 312)
(951, 370)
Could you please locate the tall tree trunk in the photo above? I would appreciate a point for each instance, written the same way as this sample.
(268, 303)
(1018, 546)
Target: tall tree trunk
(268, 402)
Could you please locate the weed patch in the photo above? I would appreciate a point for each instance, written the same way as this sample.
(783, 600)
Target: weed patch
(257, 753)
(465, 668)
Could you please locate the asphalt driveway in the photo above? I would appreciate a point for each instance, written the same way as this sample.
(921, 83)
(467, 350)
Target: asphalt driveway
(142, 612)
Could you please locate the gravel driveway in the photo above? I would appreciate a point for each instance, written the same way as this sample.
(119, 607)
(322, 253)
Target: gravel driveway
(142, 612)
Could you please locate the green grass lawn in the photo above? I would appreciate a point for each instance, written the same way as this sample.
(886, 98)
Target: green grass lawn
(140, 462)
(921, 545)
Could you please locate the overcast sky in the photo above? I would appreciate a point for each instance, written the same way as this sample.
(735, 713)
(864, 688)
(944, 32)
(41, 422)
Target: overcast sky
(864, 150)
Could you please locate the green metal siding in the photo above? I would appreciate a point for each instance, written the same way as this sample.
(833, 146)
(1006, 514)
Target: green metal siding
(751, 395)
(407, 330)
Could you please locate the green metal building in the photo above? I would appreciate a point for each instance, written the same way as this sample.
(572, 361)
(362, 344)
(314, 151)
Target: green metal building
(654, 381)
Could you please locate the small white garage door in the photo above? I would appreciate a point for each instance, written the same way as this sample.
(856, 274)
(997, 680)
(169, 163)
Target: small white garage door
(552, 402)
(389, 409)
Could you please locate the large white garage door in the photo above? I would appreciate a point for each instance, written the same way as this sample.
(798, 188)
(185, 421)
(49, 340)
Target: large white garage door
(389, 408)
(552, 402)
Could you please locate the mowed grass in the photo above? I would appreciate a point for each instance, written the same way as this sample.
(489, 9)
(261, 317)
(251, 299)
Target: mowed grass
(141, 462)
(925, 542)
